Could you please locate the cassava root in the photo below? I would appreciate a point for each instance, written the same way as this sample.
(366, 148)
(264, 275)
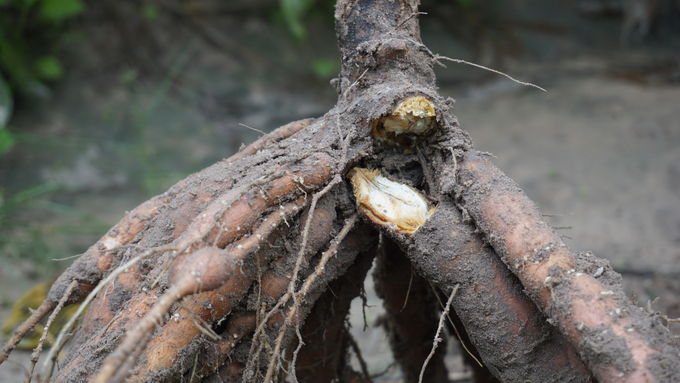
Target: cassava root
(618, 341)
(228, 254)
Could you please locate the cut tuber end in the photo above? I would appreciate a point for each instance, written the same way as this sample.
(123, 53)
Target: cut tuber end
(388, 203)
(413, 116)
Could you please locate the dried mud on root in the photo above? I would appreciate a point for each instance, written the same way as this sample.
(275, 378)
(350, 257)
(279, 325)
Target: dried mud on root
(154, 223)
(618, 340)
(384, 62)
(505, 327)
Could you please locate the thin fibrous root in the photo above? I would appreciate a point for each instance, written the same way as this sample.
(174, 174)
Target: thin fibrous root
(489, 290)
(323, 354)
(26, 327)
(203, 270)
(411, 313)
(61, 338)
(342, 280)
(291, 318)
(132, 225)
(164, 349)
(236, 212)
(459, 61)
(275, 137)
(305, 233)
(437, 339)
(360, 357)
(36, 352)
(224, 219)
(273, 284)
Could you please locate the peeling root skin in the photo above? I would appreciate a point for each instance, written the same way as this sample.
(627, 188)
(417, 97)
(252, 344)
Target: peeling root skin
(577, 302)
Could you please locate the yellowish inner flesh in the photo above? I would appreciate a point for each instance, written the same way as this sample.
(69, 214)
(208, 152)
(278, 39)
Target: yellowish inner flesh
(389, 203)
(413, 115)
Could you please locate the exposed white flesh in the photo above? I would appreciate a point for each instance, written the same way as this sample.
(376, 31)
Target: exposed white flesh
(388, 203)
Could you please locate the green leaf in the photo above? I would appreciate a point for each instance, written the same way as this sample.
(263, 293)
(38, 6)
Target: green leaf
(293, 12)
(325, 68)
(49, 68)
(6, 102)
(14, 63)
(151, 12)
(57, 11)
(6, 140)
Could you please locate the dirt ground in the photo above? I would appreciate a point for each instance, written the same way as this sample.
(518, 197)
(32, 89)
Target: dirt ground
(599, 152)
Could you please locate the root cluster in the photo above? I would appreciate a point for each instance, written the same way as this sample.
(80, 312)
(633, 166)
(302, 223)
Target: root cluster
(245, 271)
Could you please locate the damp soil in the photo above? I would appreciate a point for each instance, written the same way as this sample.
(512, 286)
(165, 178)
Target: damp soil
(597, 153)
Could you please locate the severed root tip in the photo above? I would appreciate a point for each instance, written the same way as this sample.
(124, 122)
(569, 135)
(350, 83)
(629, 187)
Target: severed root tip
(26, 327)
(412, 117)
(387, 203)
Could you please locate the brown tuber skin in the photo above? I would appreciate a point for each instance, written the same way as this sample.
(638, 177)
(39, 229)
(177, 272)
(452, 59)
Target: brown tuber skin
(99, 258)
(233, 208)
(206, 269)
(179, 332)
(203, 270)
(504, 326)
(637, 346)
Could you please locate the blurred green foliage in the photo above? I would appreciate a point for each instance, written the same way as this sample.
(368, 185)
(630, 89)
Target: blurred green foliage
(293, 12)
(29, 36)
(6, 138)
(30, 31)
(324, 68)
(21, 238)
